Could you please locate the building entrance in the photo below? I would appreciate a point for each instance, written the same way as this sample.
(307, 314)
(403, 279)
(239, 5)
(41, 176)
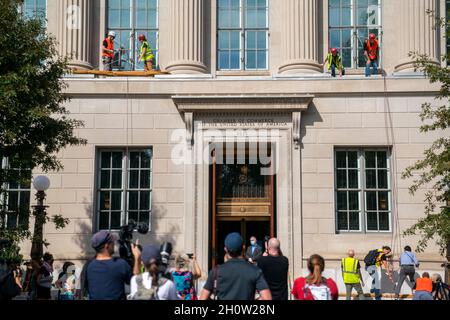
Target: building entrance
(242, 197)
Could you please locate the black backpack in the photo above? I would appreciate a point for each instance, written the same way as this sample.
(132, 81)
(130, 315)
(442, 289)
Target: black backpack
(371, 258)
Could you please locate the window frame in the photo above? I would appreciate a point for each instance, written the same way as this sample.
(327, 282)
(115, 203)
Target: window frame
(363, 220)
(125, 189)
(4, 196)
(23, 6)
(133, 43)
(243, 30)
(354, 27)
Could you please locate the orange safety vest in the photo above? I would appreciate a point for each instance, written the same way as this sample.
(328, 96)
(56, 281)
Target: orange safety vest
(109, 46)
(372, 49)
(424, 284)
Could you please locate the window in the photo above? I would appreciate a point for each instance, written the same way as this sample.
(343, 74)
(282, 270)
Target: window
(124, 187)
(350, 23)
(129, 19)
(363, 194)
(34, 8)
(243, 24)
(15, 198)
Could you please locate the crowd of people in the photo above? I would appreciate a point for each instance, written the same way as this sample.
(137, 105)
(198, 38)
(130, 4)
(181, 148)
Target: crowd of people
(251, 273)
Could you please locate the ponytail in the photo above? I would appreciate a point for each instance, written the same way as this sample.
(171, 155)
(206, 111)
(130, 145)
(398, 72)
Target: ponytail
(316, 265)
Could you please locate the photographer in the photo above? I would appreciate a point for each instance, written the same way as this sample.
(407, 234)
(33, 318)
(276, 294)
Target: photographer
(152, 284)
(10, 277)
(104, 277)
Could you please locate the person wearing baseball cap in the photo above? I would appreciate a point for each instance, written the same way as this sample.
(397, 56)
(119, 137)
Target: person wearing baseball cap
(151, 285)
(371, 50)
(105, 277)
(236, 279)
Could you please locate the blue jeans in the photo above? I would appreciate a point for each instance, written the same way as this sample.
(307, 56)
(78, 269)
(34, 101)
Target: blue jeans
(333, 70)
(422, 295)
(374, 64)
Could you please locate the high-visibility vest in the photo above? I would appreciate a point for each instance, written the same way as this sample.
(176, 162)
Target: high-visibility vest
(337, 59)
(424, 284)
(372, 50)
(149, 53)
(109, 46)
(350, 270)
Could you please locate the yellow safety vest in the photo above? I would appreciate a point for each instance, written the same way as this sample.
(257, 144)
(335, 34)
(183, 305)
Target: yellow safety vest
(337, 59)
(149, 53)
(350, 270)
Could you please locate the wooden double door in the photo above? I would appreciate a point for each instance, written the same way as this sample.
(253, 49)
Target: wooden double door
(242, 196)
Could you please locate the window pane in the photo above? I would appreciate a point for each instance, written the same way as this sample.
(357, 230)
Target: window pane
(115, 220)
(342, 179)
(251, 59)
(235, 60)
(382, 159)
(370, 159)
(13, 200)
(224, 40)
(382, 179)
(346, 17)
(106, 159)
(224, 60)
(144, 200)
(372, 221)
(105, 179)
(235, 40)
(347, 58)
(134, 159)
(335, 38)
(144, 217)
(353, 182)
(383, 200)
(105, 201)
(103, 221)
(342, 200)
(371, 180)
(353, 200)
(116, 182)
(335, 20)
(251, 18)
(145, 179)
(133, 215)
(134, 179)
(371, 199)
(341, 159)
(133, 200)
(354, 221)
(250, 40)
(262, 18)
(24, 201)
(384, 221)
(262, 60)
(353, 159)
(117, 160)
(342, 221)
(116, 203)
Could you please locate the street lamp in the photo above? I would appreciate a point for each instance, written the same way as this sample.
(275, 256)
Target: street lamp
(41, 184)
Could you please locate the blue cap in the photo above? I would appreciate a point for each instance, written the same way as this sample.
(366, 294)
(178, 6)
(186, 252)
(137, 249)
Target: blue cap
(101, 238)
(234, 242)
(150, 252)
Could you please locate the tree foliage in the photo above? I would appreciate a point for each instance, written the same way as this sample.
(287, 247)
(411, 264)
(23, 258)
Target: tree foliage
(434, 169)
(34, 124)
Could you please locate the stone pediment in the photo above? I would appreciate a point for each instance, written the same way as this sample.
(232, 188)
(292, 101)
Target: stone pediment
(189, 105)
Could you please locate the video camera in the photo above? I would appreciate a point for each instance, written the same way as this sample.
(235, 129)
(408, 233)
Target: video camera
(125, 237)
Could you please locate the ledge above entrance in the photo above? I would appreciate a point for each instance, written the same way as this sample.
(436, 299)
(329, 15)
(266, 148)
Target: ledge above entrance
(189, 105)
(282, 102)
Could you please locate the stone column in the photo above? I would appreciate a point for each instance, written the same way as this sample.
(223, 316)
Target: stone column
(74, 32)
(300, 42)
(187, 47)
(417, 32)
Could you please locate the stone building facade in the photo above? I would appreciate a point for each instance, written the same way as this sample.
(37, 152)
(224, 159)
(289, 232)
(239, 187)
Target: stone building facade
(340, 145)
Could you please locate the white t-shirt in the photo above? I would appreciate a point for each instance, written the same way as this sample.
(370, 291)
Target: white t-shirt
(166, 292)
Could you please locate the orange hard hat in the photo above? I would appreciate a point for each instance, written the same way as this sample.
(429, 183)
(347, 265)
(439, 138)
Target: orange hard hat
(141, 37)
(334, 50)
(372, 36)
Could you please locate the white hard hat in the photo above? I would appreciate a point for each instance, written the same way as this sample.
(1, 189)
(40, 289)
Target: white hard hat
(112, 34)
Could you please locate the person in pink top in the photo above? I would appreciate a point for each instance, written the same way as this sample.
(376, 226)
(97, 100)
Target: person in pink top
(315, 286)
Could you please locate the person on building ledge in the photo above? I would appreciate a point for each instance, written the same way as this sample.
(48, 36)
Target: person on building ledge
(334, 61)
(146, 53)
(371, 52)
(108, 51)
